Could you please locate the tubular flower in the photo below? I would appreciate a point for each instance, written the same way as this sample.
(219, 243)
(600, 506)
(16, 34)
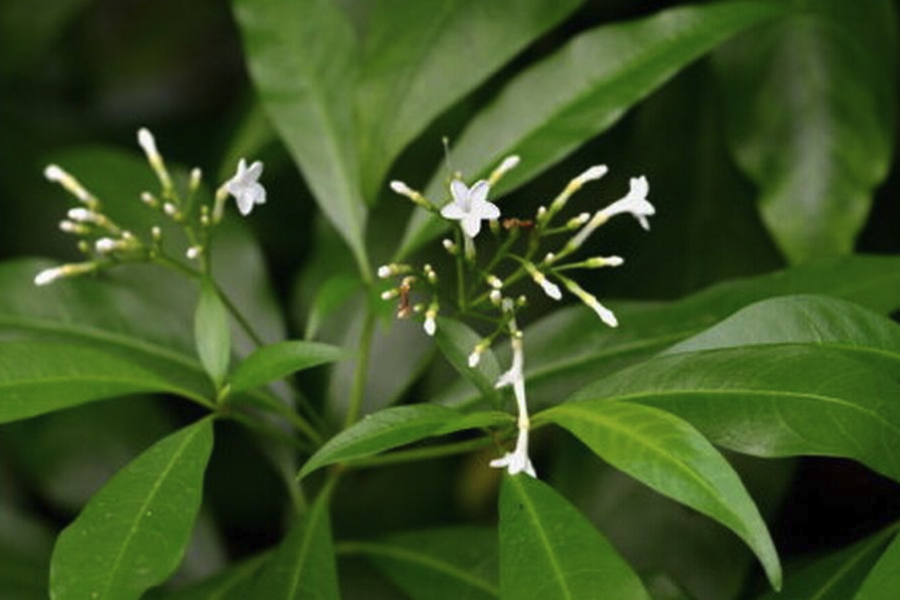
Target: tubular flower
(245, 186)
(470, 206)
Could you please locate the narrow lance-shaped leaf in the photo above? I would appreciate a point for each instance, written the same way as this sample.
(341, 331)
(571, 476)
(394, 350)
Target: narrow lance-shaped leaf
(303, 567)
(280, 360)
(454, 563)
(393, 427)
(302, 56)
(673, 458)
(548, 550)
(38, 377)
(816, 320)
(772, 401)
(812, 107)
(212, 333)
(581, 90)
(419, 58)
(570, 348)
(133, 533)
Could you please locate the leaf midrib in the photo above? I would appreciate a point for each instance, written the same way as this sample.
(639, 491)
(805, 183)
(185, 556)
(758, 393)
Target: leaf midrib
(150, 497)
(532, 513)
(436, 564)
(680, 465)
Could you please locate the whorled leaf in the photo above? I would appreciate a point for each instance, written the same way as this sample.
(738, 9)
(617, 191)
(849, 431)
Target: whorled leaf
(570, 347)
(303, 566)
(816, 320)
(302, 57)
(772, 401)
(453, 563)
(419, 58)
(558, 104)
(393, 427)
(133, 533)
(549, 550)
(673, 458)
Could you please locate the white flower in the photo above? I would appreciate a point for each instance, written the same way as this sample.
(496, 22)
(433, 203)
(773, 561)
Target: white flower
(245, 186)
(470, 206)
(384, 271)
(518, 460)
(635, 202)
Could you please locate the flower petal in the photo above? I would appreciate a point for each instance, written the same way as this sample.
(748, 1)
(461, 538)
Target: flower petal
(479, 192)
(460, 192)
(254, 171)
(453, 211)
(487, 210)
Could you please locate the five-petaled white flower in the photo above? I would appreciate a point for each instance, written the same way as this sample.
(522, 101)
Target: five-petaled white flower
(470, 206)
(245, 186)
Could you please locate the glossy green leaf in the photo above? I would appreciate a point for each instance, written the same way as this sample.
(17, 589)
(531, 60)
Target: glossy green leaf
(836, 576)
(883, 582)
(549, 550)
(419, 58)
(280, 360)
(673, 458)
(133, 533)
(570, 348)
(817, 320)
(393, 427)
(38, 377)
(581, 90)
(456, 341)
(212, 333)
(812, 104)
(458, 563)
(772, 401)
(303, 566)
(302, 57)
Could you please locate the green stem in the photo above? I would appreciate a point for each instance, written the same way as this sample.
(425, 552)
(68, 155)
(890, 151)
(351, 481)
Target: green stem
(357, 392)
(460, 276)
(417, 454)
(239, 317)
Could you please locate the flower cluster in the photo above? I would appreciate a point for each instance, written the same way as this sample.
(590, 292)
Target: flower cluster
(105, 243)
(489, 299)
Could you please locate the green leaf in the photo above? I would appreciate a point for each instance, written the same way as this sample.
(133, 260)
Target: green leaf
(133, 533)
(212, 333)
(393, 427)
(280, 360)
(230, 584)
(329, 298)
(302, 57)
(570, 348)
(555, 106)
(673, 458)
(454, 563)
(548, 550)
(815, 320)
(838, 575)
(419, 58)
(456, 341)
(772, 401)
(812, 103)
(883, 582)
(303, 566)
(38, 377)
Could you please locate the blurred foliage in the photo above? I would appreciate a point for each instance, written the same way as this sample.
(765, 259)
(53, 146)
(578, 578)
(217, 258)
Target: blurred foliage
(768, 132)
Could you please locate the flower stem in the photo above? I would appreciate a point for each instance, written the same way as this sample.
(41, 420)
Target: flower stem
(357, 392)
